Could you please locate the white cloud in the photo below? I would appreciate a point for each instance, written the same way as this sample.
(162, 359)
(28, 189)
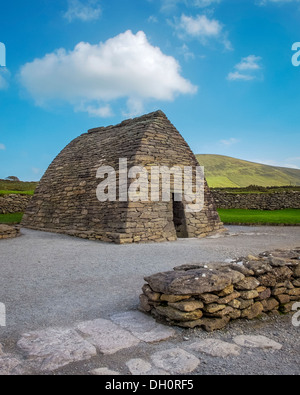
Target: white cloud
(201, 28)
(169, 5)
(84, 11)
(229, 142)
(91, 76)
(247, 70)
(236, 76)
(2, 147)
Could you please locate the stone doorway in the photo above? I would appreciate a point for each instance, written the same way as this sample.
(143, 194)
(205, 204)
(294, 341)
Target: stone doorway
(179, 218)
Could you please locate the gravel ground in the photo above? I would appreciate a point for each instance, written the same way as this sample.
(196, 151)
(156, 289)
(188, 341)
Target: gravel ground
(55, 280)
(50, 280)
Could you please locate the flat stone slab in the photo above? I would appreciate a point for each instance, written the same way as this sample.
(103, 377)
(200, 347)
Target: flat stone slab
(10, 366)
(108, 337)
(104, 372)
(215, 348)
(143, 327)
(52, 349)
(193, 282)
(138, 367)
(175, 361)
(257, 342)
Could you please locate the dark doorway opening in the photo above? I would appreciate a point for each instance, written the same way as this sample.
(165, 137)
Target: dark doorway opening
(179, 218)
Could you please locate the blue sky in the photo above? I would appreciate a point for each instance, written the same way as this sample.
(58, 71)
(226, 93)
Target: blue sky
(221, 70)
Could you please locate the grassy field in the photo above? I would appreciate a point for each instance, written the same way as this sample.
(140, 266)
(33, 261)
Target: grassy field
(227, 172)
(259, 217)
(4, 192)
(11, 218)
(27, 188)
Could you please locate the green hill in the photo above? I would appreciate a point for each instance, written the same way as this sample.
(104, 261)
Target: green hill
(226, 172)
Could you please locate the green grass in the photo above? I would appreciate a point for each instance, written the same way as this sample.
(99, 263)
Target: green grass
(17, 186)
(260, 217)
(226, 172)
(11, 218)
(4, 192)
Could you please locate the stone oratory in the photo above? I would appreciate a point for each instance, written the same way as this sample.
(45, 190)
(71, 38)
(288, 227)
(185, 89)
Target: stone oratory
(66, 199)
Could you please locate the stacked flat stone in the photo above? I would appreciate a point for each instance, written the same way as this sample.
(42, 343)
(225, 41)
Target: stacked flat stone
(14, 203)
(211, 295)
(257, 201)
(8, 231)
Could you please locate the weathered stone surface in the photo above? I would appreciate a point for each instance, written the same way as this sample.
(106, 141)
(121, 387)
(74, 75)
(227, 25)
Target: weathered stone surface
(209, 298)
(9, 231)
(215, 348)
(177, 315)
(10, 366)
(265, 294)
(294, 292)
(257, 342)
(247, 284)
(139, 367)
(229, 298)
(221, 313)
(245, 303)
(142, 326)
(287, 308)
(253, 311)
(107, 336)
(278, 274)
(236, 304)
(279, 291)
(259, 267)
(249, 294)
(214, 307)
(193, 282)
(283, 299)
(174, 298)
(226, 291)
(104, 372)
(270, 304)
(144, 304)
(51, 349)
(297, 271)
(153, 296)
(175, 361)
(187, 306)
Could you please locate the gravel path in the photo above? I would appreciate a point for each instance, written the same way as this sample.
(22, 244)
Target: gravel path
(49, 279)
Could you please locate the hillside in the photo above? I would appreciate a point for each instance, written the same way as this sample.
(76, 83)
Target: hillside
(17, 187)
(224, 172)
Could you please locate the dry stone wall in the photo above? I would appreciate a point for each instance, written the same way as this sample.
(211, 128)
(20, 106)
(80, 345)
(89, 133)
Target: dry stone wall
(9, 231)
(209, 296)
(257, 201)
(13, 203)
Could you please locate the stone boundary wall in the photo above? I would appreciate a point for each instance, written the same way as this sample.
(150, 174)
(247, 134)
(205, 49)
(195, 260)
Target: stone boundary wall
(209, 296)
(9, 231)
(257, 201)
(14, 203)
